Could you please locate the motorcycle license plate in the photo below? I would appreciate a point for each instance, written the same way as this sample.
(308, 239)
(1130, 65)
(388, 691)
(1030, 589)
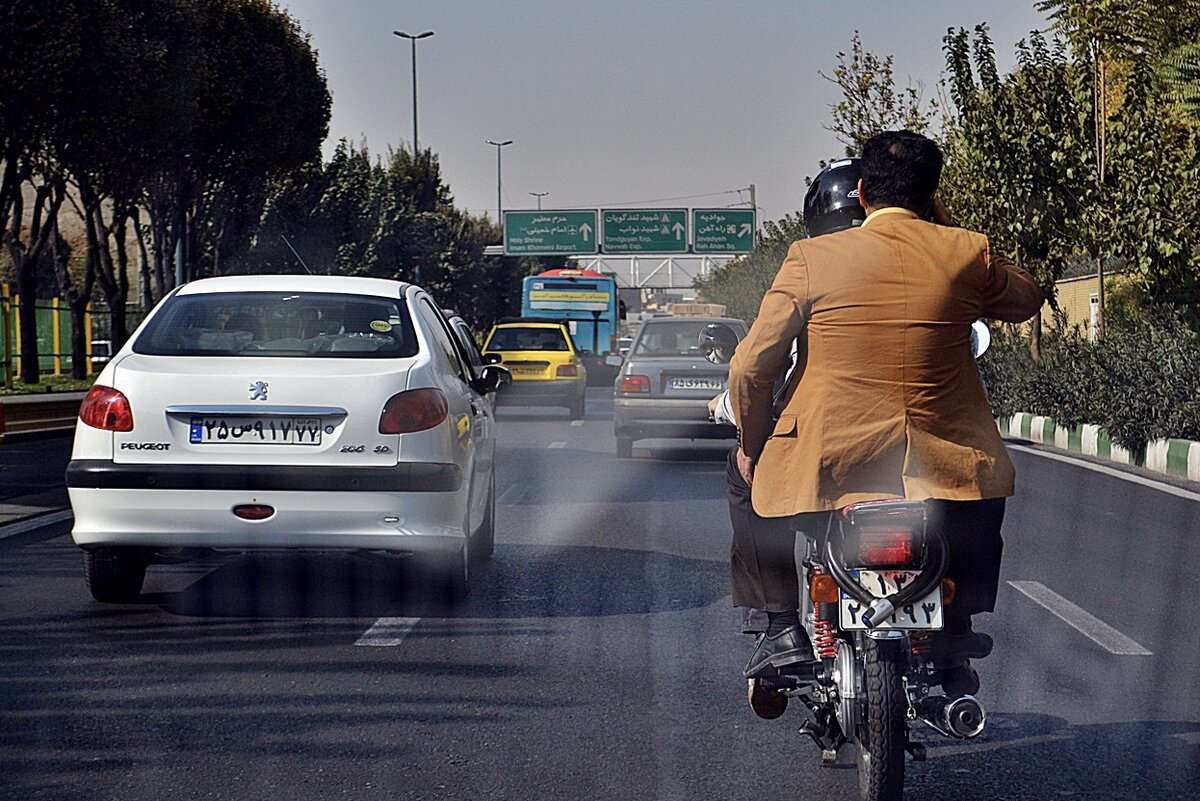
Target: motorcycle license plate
(922, 615)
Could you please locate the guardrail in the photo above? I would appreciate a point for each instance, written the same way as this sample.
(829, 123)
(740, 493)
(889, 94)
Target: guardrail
(39, 414)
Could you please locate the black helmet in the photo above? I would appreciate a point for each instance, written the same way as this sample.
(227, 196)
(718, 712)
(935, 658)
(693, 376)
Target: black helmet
(717, 335)
(831, 203)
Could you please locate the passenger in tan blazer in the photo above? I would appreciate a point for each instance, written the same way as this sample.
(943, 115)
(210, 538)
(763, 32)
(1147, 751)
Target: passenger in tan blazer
(888, 403)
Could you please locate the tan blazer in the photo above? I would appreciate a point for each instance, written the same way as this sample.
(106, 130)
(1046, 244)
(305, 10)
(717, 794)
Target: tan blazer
(887, 401)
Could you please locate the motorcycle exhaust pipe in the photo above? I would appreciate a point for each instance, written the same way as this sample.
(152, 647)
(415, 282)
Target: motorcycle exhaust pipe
(961, 717)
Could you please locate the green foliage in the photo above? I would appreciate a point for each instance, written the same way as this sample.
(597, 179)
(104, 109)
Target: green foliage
(741, 284)
(1140, 382)
(870, 101)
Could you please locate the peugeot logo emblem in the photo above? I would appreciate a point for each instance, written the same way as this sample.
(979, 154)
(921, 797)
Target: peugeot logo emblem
(258, 390)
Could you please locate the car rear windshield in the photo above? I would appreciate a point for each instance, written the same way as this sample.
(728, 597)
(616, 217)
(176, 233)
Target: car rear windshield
(673, 338)
(528, 339)
(290, 324)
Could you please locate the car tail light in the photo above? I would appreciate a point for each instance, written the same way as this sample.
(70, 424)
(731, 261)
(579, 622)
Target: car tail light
(567, 370)
(413, 410)
(634, 383)
(253, 511)
(949, 590)
(880, 547)
(107, 409)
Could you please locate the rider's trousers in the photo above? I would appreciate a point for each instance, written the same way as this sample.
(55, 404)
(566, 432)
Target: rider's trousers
(763, 568)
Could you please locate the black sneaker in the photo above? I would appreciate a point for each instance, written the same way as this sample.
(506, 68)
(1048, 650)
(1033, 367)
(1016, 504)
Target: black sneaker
(786, 649)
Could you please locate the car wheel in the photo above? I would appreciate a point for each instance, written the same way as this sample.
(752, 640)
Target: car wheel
(452, 572)
(624, 448)
(485, 538)
(114, 575)
(577, 408)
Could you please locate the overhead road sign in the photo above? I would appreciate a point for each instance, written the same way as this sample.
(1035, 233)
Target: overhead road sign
(644, 230)
(551, 233)
(723, 230)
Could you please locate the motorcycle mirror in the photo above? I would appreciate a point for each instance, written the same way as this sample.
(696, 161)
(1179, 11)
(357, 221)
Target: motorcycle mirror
(981, 338)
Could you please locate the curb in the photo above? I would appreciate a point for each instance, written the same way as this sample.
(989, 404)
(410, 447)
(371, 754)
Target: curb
(1173, 457)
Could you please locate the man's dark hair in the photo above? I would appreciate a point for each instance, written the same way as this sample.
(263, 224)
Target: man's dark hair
(900, 168)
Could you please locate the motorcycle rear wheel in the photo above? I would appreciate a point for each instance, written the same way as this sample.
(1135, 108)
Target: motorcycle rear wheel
(882, 732)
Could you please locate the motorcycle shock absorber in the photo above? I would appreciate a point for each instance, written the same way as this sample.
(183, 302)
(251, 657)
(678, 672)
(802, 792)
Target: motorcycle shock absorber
(823, 628)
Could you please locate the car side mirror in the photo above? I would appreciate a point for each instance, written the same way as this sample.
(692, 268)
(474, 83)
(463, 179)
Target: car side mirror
(981, 338)
(492, 358)
(491, 378)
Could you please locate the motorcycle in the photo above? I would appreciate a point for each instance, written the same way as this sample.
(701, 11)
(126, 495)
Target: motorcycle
(876, 593)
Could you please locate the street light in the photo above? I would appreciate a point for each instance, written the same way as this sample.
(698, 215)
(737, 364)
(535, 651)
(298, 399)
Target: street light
(414, 39)
(499, 204)
(539, 196)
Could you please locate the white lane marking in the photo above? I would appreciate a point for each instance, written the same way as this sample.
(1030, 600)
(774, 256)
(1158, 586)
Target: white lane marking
(41, 521)
(1189, 737)
(504, 496)
(1108, 471)
(576, 423)
(1083, 621)
(553, 445)
(388, 631)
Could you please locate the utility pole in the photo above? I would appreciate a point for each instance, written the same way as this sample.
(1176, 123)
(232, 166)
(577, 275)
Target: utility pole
(539, 196)
(414, 39)
(499, 202)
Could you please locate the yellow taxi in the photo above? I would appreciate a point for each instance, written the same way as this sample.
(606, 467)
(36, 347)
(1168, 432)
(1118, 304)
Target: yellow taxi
(545, 365)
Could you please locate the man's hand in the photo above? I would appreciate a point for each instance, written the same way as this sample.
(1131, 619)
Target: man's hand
(939, 215)
(745, 466)
(712, 407)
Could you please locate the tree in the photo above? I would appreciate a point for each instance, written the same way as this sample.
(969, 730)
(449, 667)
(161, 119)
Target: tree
(741, 284)
(870, 102)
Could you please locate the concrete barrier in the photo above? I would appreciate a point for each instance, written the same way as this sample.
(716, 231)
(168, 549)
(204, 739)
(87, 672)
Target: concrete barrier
(39, 414)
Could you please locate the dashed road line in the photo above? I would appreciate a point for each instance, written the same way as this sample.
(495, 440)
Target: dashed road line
(554, 445)
(388, 632)
(34, 523)
(1080, 619)
(1189, 737)
(576, 423)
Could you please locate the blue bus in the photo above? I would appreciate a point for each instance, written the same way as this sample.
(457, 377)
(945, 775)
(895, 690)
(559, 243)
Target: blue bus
(587, 302)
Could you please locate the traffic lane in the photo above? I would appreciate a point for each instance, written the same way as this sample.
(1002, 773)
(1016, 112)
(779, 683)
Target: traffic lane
(31, 472)
(1125, 552)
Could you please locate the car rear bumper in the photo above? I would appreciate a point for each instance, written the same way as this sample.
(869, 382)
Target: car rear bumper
(539, 393)
(403, 477)
(414, 522)
(644, 418)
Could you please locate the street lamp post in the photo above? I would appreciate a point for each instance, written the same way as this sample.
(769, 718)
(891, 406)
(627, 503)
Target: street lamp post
(414, 39)
(539, 196)
(499, 202)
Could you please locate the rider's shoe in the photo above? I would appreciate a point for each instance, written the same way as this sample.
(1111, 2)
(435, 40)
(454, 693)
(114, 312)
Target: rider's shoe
(787, 649)
(960, 680)
(950, 650)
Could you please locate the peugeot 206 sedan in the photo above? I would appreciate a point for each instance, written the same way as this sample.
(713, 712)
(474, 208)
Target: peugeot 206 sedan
(286, 412)
(665, 383)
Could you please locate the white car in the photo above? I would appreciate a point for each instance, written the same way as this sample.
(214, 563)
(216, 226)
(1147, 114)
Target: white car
(286, 412)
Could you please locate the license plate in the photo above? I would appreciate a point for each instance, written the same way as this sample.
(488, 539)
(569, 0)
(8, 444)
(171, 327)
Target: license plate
(925, 614)
(255, 430)
(695, 383)
(526, 371)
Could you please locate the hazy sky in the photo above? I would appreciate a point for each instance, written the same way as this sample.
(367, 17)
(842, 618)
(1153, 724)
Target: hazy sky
(618, 102)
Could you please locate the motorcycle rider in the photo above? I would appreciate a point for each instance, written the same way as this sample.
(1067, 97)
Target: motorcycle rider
(886, 401)
(830, 205)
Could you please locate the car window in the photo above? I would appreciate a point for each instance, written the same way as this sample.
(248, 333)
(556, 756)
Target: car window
(469, 345)
(275, 324)
(673, 338)
(446, 341)
(528, 339)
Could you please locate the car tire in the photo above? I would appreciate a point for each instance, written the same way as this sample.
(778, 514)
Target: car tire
(624, 448)
(114, 575)
(485, 538)
(578, 407)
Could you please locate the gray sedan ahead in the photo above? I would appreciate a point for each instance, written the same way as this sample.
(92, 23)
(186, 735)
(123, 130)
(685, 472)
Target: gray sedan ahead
(665, 384)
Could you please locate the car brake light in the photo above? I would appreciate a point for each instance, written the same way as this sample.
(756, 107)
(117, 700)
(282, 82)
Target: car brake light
(567, 370)
(878, 547)
(253, 511)
(413, 410)
(634, 383)
(107, 409)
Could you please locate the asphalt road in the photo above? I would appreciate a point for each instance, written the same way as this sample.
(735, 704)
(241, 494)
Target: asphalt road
(597, 658)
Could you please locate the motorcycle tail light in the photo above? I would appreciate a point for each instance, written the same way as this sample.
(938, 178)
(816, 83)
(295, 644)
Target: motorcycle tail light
(885, 547)
(567, 371)
(107, 409)
(823, 589)
(413, 410)
(634, 383)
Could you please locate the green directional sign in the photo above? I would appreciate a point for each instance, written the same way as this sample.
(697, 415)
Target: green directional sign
(644, 230)
(550, 233)
(723, 230)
